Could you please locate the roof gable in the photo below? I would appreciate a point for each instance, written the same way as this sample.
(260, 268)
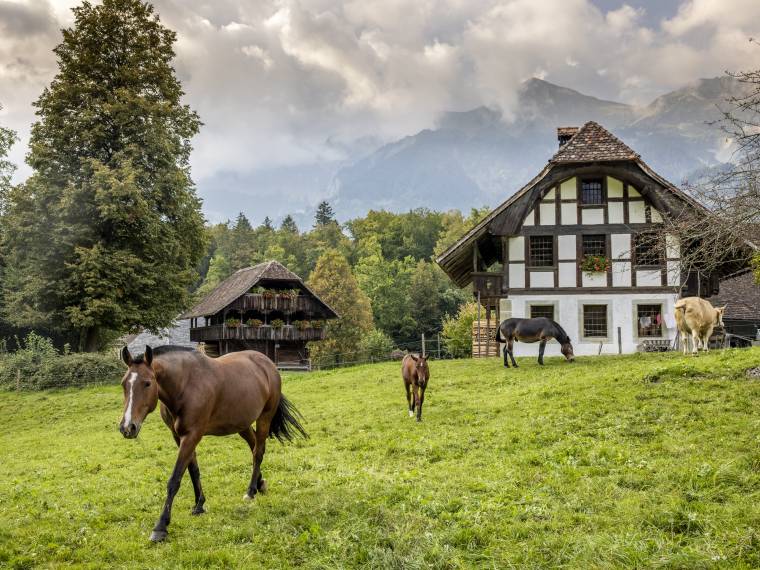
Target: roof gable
(593, 143)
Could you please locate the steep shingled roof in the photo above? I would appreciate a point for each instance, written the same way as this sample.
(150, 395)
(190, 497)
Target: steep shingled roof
(593, 143)
(741, 295)
(240, 283)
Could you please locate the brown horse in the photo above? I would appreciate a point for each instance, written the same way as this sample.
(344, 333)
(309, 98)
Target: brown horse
(416, 374)
(540, 330)
(206, 396)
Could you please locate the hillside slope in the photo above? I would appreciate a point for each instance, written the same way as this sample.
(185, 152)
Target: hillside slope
(635, 461)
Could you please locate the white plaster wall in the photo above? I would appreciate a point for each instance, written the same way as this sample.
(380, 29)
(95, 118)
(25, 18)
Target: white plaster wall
(529, 219)
(656, 216)
(621, 273)
(674, 273)
(648, 277)
(672, 246)
(615, 213)
(516, 277)
(542, 278)
(569, 213)
(568, 190)
(592, 216)
(633, 193)
(548, 215)
(569, 317)
(621, 246)
(517, 248)
(566, 245)
(549, 195)
(567, 274)
(594, 279)
(614, 188)
(636, 212)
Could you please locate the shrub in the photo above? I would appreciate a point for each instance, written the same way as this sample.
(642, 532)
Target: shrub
(38, 365)
(277, 323)
(376, 345)
(457, 331)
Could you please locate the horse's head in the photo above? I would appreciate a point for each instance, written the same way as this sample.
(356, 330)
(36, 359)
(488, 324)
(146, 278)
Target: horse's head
(421, 367)
(567, 351)
(140, 391)
(719, 316)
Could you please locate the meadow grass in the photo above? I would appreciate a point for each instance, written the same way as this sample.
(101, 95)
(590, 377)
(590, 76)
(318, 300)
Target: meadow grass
(648, 461)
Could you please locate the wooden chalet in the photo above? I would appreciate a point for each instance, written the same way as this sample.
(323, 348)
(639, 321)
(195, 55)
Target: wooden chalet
(534, 254)
(266, 308)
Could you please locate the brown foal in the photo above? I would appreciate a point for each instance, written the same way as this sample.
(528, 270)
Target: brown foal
(206, 396)
(415, 372)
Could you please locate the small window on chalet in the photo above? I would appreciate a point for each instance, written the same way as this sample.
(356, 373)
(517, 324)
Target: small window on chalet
(594, 320)
(595, 245)
(592, 191)
(541, 251)
(649, 320)
(546, 311)
(648, 250)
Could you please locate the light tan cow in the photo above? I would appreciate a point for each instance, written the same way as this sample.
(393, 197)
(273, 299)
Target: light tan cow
(697, 317)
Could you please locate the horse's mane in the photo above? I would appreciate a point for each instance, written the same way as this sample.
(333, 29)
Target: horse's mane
(159, 350)
(562, 337)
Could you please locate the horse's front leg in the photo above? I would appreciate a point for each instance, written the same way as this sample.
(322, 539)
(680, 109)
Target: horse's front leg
(541, 348)
(510, 347)
(415, 398)
(187, 445)
(419, 405)
(409, 404)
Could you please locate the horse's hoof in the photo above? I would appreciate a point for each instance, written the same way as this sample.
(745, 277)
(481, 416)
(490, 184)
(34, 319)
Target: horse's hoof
(419, 419)
(411, 414)
(198, 511)
(158, 535)
(263, 486)
(247, 497)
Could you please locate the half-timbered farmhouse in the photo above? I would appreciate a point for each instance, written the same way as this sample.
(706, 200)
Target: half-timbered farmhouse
(577, 244)
(266, 308)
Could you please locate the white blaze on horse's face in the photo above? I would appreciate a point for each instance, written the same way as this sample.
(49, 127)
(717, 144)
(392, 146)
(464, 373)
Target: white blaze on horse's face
(140, 398)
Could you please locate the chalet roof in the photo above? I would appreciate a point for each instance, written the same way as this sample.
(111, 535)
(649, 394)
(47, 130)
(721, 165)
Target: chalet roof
(593, 143)
(241, 282)
(741, 295)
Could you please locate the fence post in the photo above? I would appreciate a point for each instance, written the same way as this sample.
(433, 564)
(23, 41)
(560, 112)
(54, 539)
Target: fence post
(473, 352)
(423, 344)
(620, 342)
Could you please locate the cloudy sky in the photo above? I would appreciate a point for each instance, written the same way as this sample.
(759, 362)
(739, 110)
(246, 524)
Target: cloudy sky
(282, 85)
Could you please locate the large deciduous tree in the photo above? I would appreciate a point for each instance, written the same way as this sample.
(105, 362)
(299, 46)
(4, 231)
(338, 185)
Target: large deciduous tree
(105, 235)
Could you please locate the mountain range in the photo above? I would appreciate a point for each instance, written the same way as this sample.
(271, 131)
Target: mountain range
(479, 157)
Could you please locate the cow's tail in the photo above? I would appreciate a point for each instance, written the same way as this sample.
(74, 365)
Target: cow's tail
(286, 423)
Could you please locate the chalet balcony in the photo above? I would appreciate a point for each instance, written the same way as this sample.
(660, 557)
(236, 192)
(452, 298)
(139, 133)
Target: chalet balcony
(263, 332)
(282, 303)
(488, 284)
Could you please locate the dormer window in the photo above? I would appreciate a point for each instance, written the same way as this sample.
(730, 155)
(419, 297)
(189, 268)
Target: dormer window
(592, 192)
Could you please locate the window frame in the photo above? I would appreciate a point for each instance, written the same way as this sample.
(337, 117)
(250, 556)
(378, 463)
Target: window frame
(603, 190)
(636, 329)
(608, 321)
(605, 242)
(552, 306)
(553, 262)
(660, 247)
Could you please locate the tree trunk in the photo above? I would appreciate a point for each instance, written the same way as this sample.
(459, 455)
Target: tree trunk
(91, 340)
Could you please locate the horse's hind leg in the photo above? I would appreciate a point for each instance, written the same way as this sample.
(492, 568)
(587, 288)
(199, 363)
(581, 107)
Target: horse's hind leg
(510, 347)
(506, 357)
(257, 441)
(541, 348)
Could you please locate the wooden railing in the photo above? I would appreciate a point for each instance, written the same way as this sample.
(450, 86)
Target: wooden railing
(264, 332)
(283, 303)
(488, 284)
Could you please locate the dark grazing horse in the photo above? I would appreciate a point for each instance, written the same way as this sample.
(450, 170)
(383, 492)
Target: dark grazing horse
(206, 396)
(416, 374)
(540, 330)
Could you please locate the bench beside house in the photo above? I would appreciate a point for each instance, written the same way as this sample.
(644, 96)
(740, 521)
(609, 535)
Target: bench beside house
(267, 308)
(595, 197)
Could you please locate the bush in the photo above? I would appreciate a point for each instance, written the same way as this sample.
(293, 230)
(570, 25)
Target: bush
(457, 331)
(376, 345)
(37, 365)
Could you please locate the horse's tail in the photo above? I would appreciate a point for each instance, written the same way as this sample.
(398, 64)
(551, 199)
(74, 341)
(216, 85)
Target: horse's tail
(499, 338)
(286, 423)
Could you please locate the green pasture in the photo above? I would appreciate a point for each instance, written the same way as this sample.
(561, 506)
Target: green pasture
(642, 461)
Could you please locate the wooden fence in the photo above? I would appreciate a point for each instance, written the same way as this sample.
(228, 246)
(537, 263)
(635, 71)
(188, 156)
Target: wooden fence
(484, 342)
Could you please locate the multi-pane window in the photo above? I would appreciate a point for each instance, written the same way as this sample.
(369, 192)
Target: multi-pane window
(595, 245)
(542, 311)
(541, 251)
(595, 320)
(648, 250)
(592, 191)
(649, 320)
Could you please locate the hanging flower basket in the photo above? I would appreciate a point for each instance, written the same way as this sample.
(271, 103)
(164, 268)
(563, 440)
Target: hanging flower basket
(232, 323)
(254, 323)
(278, 323)
(595, 264)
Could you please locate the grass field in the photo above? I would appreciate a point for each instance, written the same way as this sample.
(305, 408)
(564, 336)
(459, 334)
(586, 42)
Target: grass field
(639, 461)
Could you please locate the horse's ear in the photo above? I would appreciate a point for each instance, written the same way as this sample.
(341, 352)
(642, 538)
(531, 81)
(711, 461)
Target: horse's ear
(126, 357)
(414, 357)
(148, 357)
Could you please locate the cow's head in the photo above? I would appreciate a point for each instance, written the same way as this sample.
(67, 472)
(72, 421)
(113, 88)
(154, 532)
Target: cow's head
(719, 315)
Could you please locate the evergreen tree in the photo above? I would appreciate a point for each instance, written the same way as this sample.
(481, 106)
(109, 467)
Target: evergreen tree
(7, 168)
(267, 224)
(324, 215)
(242, 223)
(333, 281)
(289, 225)
(106, 234)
